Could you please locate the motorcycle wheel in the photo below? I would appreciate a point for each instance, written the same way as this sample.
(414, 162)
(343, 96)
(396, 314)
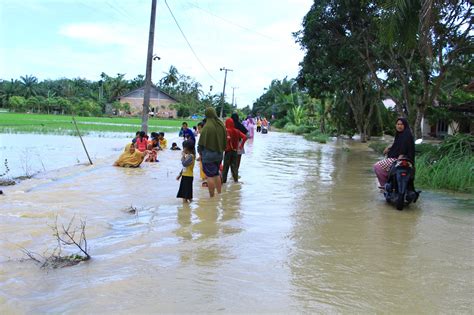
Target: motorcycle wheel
(400, 201)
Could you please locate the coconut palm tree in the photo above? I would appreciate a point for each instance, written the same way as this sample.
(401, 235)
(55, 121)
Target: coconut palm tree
(171, 77)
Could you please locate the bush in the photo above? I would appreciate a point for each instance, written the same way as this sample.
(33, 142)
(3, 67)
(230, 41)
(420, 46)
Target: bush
(446, 173)
(299, 130)
(289, 127)
(18, 103)
(317, 136)
(280, 123)
(448, 165)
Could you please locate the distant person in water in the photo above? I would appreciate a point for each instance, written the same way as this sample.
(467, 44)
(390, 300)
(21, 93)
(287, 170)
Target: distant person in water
(187, 175)
(175, 147)
(235, 140)
(131, 157)
(187, 133)
(250, 125)
(211, 146)
(163, 141)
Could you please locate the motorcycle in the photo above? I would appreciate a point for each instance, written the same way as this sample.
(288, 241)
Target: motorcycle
(400, 189)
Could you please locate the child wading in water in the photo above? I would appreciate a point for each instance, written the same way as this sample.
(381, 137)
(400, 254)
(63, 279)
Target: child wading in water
(187, 160)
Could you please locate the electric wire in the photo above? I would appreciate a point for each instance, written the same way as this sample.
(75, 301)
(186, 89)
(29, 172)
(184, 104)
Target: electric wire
(189, 44)
(248, 29)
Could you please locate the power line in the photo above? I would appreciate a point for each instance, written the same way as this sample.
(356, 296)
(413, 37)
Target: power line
(189, 44)
(248, 29)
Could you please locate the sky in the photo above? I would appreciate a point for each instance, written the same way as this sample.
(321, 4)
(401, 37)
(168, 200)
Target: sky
(83, 38)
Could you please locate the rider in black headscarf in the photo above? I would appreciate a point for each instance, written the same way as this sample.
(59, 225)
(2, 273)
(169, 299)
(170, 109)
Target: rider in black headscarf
(403, 146)
(403, 143)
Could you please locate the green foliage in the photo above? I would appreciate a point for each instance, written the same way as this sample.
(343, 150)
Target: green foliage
(446, 173)
(280, 123)
(296, 115)
(302, 130)
(89, 98)
(86, 108)
(278, 99)
(424, 49)
(17, 103)
(317, 136)
(289, 127)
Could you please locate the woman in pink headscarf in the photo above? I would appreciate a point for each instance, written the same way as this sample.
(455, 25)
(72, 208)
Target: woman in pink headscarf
(250, 125)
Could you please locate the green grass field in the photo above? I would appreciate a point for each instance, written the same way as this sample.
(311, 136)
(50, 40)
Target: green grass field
(62, 124)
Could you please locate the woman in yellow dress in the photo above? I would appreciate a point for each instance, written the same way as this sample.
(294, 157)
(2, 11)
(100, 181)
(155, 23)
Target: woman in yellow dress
(131, 157)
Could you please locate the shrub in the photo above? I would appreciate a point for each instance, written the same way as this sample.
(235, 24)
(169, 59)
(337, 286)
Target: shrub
(448, 165)
(317, 136)
(299, 130)
(280, 123)
(289, 127)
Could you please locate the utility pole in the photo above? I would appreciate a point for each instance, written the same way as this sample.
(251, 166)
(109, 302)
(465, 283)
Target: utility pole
(149, 60)
(223, 90)
(233, 93)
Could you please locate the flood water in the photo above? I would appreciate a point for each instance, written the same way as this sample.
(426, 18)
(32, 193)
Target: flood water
(306, 231)
(29, 154)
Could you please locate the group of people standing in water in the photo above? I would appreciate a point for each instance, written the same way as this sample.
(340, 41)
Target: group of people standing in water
(220, 147)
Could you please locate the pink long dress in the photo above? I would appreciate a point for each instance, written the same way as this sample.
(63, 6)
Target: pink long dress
(251, 127)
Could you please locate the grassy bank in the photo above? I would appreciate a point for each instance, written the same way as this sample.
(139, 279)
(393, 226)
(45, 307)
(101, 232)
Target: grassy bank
(449, 165)
(62, 124)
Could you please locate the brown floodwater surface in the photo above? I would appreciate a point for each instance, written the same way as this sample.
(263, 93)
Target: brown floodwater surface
(306, 231)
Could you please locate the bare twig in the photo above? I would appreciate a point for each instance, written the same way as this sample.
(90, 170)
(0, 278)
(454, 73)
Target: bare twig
(65, 237)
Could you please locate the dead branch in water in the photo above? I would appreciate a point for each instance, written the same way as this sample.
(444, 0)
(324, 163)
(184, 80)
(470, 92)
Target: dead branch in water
(70, 235)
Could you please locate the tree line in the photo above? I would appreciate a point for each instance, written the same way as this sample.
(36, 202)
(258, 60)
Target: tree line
(418, 53)
(91, 98)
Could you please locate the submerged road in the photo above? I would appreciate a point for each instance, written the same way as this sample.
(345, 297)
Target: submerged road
(306, 231)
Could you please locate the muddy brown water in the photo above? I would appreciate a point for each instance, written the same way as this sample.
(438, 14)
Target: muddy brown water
(306, 232)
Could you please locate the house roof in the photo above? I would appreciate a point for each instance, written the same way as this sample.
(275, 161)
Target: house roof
(155, 93)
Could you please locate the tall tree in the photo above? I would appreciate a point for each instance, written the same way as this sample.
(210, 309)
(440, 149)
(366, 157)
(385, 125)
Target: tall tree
(417, 43)
(330, 37)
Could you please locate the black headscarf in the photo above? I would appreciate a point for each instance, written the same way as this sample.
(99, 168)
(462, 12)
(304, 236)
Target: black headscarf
(403, 143)
(238, 124)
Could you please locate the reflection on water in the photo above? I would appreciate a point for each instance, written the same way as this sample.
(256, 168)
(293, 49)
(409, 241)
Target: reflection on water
(305, 232)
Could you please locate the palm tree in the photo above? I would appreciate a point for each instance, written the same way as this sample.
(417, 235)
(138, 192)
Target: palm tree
(7, 90)
(29, 85)
(171, 78)
(116, 87)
